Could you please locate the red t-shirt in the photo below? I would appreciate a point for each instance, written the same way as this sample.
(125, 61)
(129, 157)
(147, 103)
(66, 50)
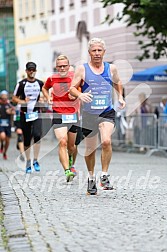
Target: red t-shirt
(61, 102)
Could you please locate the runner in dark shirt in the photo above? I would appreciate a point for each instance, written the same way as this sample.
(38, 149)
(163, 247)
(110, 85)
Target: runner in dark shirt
(27, 93)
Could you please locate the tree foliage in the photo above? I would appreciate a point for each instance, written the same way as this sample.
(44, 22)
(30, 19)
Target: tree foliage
(150, 19)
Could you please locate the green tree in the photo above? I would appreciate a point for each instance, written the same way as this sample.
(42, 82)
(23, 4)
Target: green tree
(149, 17)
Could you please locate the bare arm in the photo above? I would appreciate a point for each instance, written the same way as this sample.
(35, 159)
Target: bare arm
(117, 86)
(77, 82)
(45, 92)
(10, 111)
(17, 100)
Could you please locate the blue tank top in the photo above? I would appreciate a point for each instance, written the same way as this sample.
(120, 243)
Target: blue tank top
(101, 89)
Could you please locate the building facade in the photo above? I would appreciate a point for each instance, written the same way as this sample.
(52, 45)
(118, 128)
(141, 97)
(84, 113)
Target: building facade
(8, 61)
(46, 28)
(32, 34)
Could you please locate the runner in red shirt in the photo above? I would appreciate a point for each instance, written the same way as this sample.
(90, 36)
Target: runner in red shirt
(65, 113)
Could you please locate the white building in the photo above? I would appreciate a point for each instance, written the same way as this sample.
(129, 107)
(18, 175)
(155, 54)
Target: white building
(47, 28)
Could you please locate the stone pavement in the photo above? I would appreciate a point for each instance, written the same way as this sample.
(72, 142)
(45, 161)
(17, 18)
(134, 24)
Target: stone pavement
(42, 213)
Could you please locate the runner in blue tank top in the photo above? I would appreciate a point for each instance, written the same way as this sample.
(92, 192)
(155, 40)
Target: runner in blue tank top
(97, 80)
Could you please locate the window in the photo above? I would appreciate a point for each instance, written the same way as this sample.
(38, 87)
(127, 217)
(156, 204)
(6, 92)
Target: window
(110, 11)
(96, 17)
(61, 5)
(33, 8)
(84, 17)
(20, 10)
(62, 26)
(51, 6)
(72, 23)
(53, 27)
(26, 11)
(71, 4)
(83, 2)
(42, 7)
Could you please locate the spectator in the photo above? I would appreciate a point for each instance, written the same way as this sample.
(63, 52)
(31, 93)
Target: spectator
(6, 110)
(162, 106)
(143, 122)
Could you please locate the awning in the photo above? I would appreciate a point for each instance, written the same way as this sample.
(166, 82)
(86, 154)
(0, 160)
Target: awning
(157, 73)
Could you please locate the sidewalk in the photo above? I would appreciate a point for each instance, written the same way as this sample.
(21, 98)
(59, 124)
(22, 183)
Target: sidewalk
(44, 213)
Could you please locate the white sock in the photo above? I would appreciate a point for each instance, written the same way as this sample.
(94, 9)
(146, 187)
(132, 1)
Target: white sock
(91, 177)
(104, 173)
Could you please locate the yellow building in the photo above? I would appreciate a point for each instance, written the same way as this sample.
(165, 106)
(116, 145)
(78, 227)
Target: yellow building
(32, 35)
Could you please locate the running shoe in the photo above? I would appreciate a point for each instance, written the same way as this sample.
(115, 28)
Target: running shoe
(91, 189)
(72, 169)
(69, 175)
(105, 183)
(5, 156)
(28, 169)
(70, 160)
(36, 166)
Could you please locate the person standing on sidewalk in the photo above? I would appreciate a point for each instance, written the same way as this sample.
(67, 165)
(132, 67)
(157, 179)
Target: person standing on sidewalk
(97, 80)
(6, 110)
(27, 93)
(65, 113)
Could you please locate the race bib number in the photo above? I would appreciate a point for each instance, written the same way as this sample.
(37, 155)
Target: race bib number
(72, 118)
(31, 116)
(4, 122)
(99, 102)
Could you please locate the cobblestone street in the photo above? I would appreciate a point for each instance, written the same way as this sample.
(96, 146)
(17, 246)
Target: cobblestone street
(42, 213)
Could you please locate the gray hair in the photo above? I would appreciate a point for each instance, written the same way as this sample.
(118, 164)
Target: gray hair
(95, 41)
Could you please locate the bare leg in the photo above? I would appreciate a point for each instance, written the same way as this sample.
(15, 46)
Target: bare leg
(61, 135)
(4, 142)
(72, 148)
(21, 147)
(36, 148)
(20, 144)
(2, 145)
(91, 145)
(106, 129)
(2, 137)
(75, 154)
(6, 145)
(27, 152)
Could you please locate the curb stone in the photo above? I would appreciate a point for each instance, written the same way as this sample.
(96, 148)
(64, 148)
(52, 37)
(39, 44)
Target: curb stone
(13, 224)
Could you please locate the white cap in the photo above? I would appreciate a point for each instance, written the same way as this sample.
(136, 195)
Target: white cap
(4, 92)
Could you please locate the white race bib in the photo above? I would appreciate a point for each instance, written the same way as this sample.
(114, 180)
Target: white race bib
(72, 118)
(4, 122)
(99, 102)
(32, 116)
